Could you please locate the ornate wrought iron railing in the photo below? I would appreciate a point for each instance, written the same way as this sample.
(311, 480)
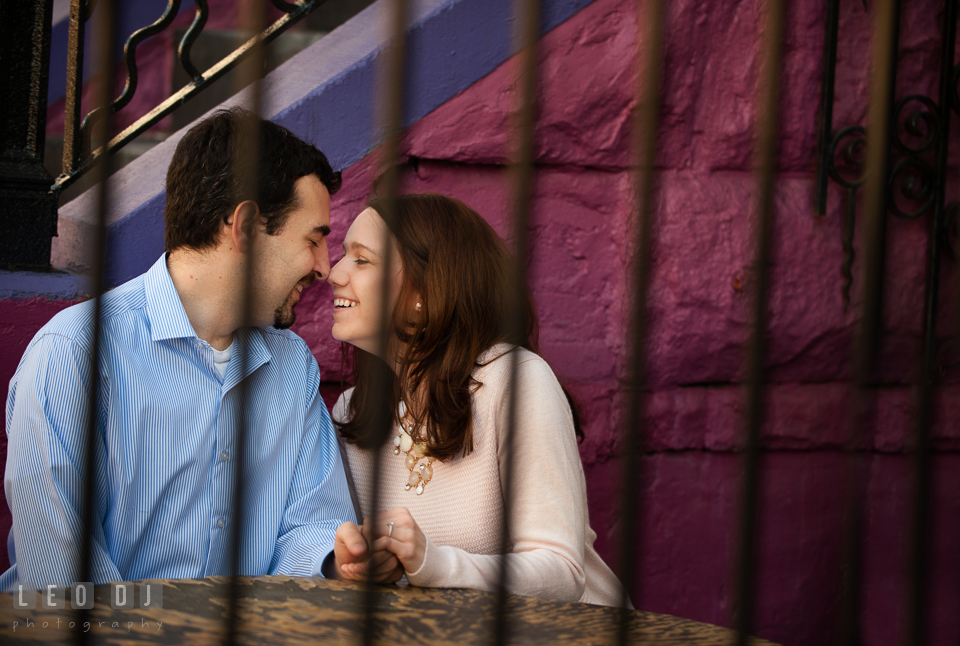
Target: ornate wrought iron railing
(29, 213)
(78, 157)
(916, 163)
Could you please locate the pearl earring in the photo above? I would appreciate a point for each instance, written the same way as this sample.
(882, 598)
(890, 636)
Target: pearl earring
(418, 307)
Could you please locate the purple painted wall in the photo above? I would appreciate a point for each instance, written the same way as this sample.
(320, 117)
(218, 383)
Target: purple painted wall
(702, 281)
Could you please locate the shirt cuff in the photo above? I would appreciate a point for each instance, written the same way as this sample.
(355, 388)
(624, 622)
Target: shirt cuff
(328, 565)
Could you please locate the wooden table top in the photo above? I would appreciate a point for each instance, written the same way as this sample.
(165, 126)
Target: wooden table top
(285, 610)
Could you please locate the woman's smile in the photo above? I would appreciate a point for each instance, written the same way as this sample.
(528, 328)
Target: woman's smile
(340, 303)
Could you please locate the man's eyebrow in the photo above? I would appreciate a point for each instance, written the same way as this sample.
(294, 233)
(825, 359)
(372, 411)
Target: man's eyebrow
(323, 230)
(355, 245)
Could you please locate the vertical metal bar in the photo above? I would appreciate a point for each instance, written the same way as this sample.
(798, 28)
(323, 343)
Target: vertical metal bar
(916, 631)
(863, 399)
(72, 141)
(832, 20)
(768, 97)
(860, 422)
(644, 146)
(105, 24)
(521, 176)
(393, 81)
(252, 19)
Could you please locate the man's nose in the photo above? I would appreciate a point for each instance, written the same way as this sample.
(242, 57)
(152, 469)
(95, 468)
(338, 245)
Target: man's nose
(322, 262)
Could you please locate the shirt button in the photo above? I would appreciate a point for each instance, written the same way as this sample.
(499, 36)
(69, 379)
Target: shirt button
(220, 523)
(224, 455)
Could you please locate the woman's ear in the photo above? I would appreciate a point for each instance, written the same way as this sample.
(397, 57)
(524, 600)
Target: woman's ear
(241, 224)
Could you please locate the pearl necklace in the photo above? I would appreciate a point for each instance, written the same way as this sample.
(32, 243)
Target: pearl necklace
(420, 472)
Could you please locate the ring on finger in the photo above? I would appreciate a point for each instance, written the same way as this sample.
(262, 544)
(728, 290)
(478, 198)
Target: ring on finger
(389, 529)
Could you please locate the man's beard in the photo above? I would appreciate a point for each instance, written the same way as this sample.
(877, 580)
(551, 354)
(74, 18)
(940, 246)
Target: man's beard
(284, 316)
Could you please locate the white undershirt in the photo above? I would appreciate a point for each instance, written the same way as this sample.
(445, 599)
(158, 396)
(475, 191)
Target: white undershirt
(221, 359)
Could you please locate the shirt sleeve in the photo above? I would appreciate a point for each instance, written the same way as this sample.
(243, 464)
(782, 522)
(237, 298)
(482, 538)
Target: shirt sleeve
(319, 500)
(47, 410)
(548, 494)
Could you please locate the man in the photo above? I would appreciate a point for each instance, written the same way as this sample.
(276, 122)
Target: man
(178, 366)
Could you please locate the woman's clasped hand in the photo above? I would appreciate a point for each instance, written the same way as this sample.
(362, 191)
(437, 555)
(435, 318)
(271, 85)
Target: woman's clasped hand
(393, 542)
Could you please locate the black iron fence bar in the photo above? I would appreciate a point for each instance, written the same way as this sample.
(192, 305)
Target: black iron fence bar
(928, 375)
(76, 161)
(877, 163)
(72, 143)
(768, 95)
(252, 19)
(861, 417)
(28, 217)
(951, 231)
(521, 176)
(107, 27)
(644, 147)
(393, 81)
(824, 147)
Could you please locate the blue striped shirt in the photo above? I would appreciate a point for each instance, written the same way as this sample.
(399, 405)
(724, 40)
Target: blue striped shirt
(165, 448)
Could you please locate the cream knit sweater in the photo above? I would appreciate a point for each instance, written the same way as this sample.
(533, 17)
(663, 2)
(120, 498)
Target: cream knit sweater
(460, 510)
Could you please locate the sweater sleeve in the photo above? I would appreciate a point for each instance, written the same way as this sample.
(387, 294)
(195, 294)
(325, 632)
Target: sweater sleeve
(548, 495)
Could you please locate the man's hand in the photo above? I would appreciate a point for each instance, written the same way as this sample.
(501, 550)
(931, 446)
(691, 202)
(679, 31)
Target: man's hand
(354, 560)
(350, 550)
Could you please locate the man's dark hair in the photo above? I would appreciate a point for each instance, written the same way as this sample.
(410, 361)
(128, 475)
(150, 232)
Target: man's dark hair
(219, 164)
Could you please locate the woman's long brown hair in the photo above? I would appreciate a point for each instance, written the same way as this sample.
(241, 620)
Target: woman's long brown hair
(458, 265)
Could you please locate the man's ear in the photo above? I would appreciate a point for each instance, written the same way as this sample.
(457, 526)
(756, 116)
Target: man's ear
(239, 226)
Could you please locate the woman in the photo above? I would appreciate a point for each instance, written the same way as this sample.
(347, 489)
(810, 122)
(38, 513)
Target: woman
(440, 473)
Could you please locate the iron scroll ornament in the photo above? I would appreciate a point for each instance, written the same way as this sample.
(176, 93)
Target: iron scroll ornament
(912, 174)
(190, 37)
(79, 162)
(912, 179)
(916, 168)
(133, 76)
(183, 52)
(851, 174)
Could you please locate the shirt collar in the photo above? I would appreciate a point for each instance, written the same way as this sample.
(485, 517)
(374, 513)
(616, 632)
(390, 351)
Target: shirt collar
(249, 340)
(168, 320)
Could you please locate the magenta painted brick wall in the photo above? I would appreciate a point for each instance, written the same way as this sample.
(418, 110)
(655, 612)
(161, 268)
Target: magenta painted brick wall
(702, 282)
